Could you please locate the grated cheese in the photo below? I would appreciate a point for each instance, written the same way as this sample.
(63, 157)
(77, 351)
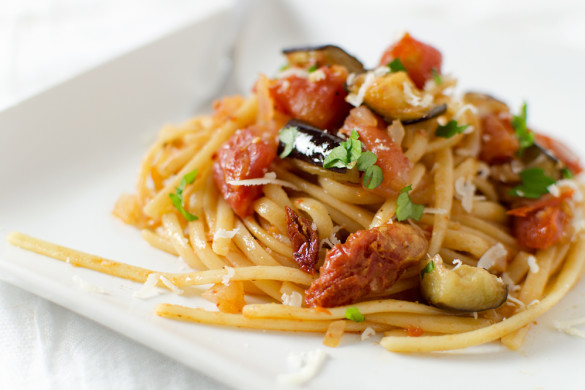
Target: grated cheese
(465, 191)
(509, 282)
(367, 333)
(414, 100)
(357, 100)
(568, 327)
(292, 71)
(230, 272)
(170, 285)
(86, 286)
(495, 254)
(222, 233)
(310, 363)
(567, 183)
(148, 289)
(269, 178)
(317, 75)
(534, 268)
(483, 170)
(516, 301)
(554, 190)
(457, 263)
(533, 302)
(381, 71)
(293, 299)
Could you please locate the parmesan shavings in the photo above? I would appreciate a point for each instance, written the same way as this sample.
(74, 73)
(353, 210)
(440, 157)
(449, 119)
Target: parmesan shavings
(332, 240)
(516, 301)
(222, 233)
(457, 263)
(494, 255)
(317, 75)
(531, 260)
(293, 299)
(432, 210)
(269, 178)
(367, 333)
(292, 71)
(310, 363)
(509, 282)
(533, 303)
(465, 191)
(414, 100)
(230, 272)
(86, 286)
(148, 290)
(356, 100)
(170, 285)
(554, 190)
(570, 184)
(381, 71)
(568, 327)
(465, 107)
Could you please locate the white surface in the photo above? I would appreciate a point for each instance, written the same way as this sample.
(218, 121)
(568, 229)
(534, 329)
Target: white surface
(65, 156)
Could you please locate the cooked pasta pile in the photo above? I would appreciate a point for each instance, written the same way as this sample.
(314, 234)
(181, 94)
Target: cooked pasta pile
(359, 200)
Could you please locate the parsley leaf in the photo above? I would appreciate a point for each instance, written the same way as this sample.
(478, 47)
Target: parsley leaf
(288, 136)
(373, 177)
(312, 68)
(396, 66)
(525, 136)
(436, 76)
(450, 129)
(366, 160)
(534, 184)
(353, 313)
(177, 198)
(427, 269)
(567, 174)
(405, 208)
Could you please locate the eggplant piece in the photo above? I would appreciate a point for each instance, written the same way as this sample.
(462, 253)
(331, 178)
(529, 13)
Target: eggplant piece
(485, 103)
(464, 288)
(431, 114)
(323, 55)
(385, 96)
(312, 145)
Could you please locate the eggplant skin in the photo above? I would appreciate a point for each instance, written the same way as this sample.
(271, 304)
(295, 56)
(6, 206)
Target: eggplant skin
(431, 114)
(312, 144)
(323, 55)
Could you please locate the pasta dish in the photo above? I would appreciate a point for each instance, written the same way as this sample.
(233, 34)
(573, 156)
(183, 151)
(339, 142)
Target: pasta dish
(359, 200)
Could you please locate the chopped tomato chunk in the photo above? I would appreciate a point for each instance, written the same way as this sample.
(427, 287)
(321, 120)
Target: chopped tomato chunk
(541, 224)
(396, 167)
(418, 58)
(560, 151)
(319, 101)
(246, 155)
(498, 140)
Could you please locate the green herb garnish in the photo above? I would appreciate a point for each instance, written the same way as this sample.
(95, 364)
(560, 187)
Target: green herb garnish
(177, 198)
(349, 154)
(436, 76)
(353, 313)
(567, 174)
(450, 129)
(525, 136)
(288, 136)
(534, 184)
(427, 269)
(312, 68)
(396, 66)
(405, 208)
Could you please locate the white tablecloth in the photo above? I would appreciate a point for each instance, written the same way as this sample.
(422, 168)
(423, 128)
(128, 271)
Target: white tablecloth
(42, 42)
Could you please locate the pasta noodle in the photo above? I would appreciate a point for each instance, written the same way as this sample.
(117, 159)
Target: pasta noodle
(440, 185)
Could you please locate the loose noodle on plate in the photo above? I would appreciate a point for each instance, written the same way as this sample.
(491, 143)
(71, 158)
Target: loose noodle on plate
(443, 221)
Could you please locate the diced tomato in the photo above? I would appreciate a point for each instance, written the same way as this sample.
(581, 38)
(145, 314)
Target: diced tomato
(498, 140)
(246, 155)
(414, 331)
(396, 167)
(560, 151)
(319, 102)
(418, 58)
(542, 223)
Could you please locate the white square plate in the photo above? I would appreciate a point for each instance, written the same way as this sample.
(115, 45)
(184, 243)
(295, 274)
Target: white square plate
(67, 154)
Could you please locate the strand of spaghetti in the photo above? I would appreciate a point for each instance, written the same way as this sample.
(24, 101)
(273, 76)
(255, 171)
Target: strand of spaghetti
(255, 272)
(237, 320)
(440, 144)
(174, 231)
(172, 164)
(418, 171)
(158, 242)
(465, 242)
(567, 278)
(450, 255)
(210, 198)
(271, 310)
(518, 267)
(318, 213)
(467, 168)
(494, 231)
(436, 323)
(199, 243)
(486, 188)
(384, 213)
(443, 198)
(418, 147)
(276, 194)
(362, 216)
(245, 115)
(224, 226)
(272, 212)
(350, 193)
(250, 247)
(268, 240)
(342, 220)
(532, 289)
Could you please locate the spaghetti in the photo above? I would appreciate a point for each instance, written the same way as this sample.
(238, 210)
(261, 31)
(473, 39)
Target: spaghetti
(377, 215)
